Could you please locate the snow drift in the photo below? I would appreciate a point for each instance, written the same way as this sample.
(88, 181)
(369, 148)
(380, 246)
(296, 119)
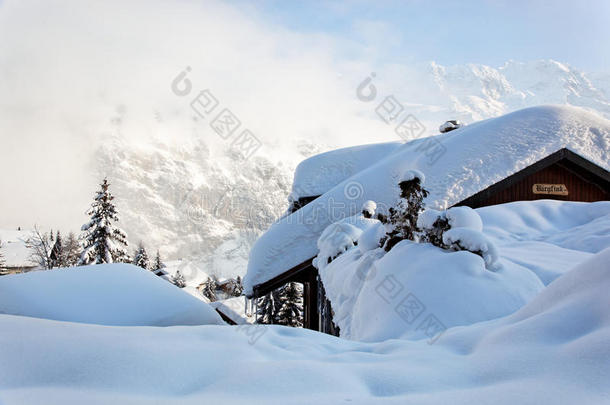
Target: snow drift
(105, 294)
(554, 350)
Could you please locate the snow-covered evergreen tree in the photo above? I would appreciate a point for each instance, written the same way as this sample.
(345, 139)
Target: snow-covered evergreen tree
(57, 256)
(158, 265)
(208, 289)
(403, 218)
(103, 242)
(72, 250)
(291, 309)
(268, 308)
(140, 257)
(178, 280)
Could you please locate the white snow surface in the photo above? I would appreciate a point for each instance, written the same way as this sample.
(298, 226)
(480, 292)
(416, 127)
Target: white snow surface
(377, 295)
(105, 294)
(318, 174)
(473, 158)
(554, 350)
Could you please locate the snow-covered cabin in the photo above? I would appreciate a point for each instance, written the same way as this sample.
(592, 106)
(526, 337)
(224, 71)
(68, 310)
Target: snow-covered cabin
(548, 152)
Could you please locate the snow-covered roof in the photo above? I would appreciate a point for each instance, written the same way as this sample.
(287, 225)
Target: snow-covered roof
(318, 174)
(456, 165)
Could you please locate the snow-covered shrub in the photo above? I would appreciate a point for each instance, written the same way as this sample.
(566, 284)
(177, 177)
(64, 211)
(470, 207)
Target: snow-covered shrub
(403, 218)
(458, 228)
(368, 209)
(335, 239)
(472, 241)
(371, 238)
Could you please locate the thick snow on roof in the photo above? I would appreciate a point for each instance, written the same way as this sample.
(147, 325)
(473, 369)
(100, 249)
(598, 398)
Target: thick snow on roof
(106, 294)
(456, 165)
(318, 174)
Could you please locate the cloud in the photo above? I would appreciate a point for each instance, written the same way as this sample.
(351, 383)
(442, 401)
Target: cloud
(75, 73)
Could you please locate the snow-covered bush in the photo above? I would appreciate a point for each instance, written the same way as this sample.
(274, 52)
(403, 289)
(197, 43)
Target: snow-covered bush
(335, 239)
(458, 228)
(368, 209)
(371, 238)
(472, 241)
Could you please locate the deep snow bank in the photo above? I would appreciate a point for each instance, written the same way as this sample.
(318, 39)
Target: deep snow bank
(106, 294)
(377, 295)
(554, 350)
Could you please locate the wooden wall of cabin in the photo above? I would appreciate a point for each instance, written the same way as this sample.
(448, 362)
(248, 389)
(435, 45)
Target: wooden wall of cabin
(578, 182)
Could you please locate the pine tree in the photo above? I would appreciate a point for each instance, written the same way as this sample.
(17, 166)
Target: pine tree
(103, 241)
(291, 310)
(268, 308)
(57, 256)
(158, 265)
(140, 257)
(71, 250)
(3, 270)
(178, 280)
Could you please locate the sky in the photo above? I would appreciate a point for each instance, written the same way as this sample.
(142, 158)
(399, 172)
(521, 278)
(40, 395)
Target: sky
(455, 32)
(76, 73)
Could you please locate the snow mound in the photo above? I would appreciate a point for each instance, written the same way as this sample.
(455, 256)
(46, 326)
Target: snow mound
(546, 236)
(418, 281)
(105, 294)
(553, 350)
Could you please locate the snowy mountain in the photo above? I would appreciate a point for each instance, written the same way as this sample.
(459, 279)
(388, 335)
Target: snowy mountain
(195, 199)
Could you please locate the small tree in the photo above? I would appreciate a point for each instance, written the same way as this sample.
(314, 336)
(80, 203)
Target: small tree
(403, 218)
(178, 280)
(268, 308)
(208, 289)
(57, 256)
(71, 250)
(103, 241)
(158, 265)
(140, 257)
(291, 310)
(40, 248)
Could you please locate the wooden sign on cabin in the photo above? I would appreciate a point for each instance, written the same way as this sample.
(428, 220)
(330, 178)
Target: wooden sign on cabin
(552, 189)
